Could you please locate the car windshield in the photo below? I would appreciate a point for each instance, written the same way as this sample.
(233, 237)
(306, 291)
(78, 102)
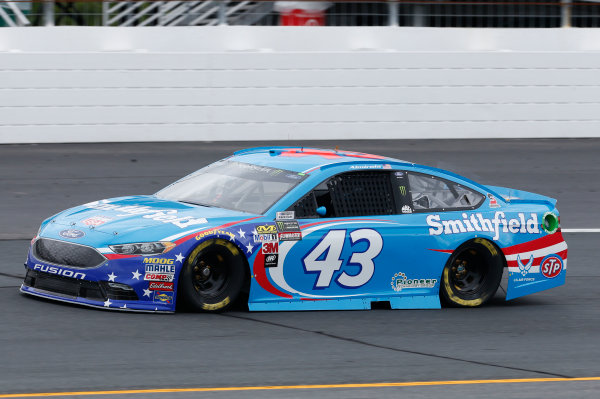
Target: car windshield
(233, 185)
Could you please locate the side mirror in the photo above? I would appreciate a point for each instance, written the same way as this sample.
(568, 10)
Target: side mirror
(321, 211)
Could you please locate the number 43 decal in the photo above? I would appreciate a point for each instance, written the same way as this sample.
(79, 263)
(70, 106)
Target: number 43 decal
(324, 258)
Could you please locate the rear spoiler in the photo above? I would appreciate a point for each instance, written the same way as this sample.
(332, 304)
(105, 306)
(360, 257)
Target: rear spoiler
(522, 197)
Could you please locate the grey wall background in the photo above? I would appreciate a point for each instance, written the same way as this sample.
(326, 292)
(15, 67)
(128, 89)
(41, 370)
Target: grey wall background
(85, 84)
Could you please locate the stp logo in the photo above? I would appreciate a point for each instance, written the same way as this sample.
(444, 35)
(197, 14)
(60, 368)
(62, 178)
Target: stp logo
(270, 247)
(551, 266)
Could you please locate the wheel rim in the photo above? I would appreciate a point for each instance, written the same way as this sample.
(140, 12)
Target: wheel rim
(210, 274)
(469, 272)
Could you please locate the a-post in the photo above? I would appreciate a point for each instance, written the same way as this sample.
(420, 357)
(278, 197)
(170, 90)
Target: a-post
(48, 12)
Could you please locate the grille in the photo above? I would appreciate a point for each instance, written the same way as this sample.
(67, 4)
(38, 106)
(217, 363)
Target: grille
(73, 288)
(64, 286)
(66, 253)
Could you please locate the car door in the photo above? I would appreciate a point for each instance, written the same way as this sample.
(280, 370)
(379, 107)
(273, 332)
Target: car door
(354, 240)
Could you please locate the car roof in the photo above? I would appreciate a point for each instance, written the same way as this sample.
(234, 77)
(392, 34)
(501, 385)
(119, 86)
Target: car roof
(305, 159)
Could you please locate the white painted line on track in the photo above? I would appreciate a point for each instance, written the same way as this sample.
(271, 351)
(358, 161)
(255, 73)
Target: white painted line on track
(580, 230)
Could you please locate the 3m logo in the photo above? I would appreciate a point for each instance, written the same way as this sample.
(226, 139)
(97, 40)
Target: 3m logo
(266, 229)
(551, 266)
(270, 248)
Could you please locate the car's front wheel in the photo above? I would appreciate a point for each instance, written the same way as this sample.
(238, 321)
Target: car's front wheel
(472, 274)
(212, 276)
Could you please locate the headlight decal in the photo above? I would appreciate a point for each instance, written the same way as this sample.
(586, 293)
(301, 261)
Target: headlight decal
(143, 248)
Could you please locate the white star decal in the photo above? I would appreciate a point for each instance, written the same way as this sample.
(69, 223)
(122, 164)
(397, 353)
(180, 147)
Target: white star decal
(111, 276)
(231, 237)
(254, 232)
(124, 306)
(179, 258)
(136, 275)
(107, 303)
(242, 233)
(249, 248)
(147, 293)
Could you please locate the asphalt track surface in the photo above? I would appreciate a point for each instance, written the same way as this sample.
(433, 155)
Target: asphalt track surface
(52, 347)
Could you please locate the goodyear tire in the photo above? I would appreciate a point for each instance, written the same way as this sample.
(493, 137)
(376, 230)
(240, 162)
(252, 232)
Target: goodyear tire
(212, 276)
(472, 274)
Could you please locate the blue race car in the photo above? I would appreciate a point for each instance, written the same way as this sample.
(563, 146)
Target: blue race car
(301, 229)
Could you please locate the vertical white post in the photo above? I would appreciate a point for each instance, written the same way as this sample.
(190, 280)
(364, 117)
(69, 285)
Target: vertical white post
(104, 13)
(48, 12)
(222, 12)
(419, 15)
(565, 13)
(392, 13)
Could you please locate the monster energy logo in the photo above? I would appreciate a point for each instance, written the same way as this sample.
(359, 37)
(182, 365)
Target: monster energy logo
(402, 190)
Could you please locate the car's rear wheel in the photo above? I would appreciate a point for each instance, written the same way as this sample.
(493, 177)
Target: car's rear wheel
(472, 274)
(212, 276)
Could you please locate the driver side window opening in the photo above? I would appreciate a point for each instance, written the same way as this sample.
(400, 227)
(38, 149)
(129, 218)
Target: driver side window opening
(364, 193)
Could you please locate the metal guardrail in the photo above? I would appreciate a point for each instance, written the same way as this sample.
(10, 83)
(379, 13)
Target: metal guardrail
(421, 13)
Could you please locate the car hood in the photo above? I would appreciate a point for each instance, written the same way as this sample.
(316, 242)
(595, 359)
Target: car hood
(134, 219)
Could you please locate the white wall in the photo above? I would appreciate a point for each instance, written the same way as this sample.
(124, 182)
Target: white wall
(73, 84)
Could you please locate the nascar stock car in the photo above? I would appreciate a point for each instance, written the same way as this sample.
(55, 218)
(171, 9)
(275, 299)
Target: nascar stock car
(301, 229)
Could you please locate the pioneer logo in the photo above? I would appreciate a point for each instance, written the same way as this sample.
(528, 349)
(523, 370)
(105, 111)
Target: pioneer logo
(58, 271)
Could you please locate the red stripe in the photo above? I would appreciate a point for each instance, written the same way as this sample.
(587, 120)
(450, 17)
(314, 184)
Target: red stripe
(118, 256)
(261, 276)
(536, 261)
(179, 241)
(532, 245)
(446, 251)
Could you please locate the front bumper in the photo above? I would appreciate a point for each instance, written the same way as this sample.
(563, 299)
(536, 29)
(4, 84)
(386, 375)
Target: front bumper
(87, 293)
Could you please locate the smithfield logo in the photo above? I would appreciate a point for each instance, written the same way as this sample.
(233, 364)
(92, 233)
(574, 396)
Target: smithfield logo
(400, 282)
(71, 233)
(476, 222)
(551, 266)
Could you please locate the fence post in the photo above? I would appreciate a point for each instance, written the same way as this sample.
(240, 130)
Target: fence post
(419, 15)
(565, 13)
(392, 13)
(48, 12)
(222, 12)
(104, 13)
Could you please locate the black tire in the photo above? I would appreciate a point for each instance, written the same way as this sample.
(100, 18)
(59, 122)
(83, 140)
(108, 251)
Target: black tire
(212, 276)
(472, 274)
